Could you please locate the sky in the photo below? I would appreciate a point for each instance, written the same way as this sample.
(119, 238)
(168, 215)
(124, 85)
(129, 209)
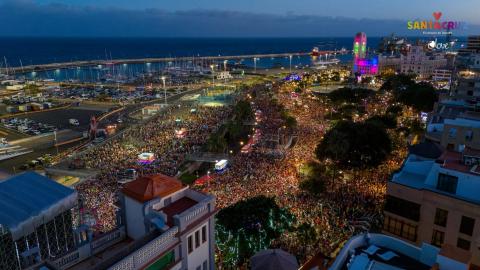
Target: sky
(226, 18)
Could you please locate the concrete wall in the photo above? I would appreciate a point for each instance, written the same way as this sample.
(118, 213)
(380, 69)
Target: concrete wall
(134, 218)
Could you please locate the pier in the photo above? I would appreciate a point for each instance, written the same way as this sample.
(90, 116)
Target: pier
(77, 64)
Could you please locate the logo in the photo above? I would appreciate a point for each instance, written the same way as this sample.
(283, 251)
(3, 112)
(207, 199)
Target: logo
(435, 24)
(435, 45)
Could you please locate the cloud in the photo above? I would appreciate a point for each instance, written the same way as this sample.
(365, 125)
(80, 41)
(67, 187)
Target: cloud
(26, 18)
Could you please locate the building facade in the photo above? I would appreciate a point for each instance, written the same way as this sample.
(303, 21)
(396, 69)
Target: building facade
(180, 219)
(420, 62)
(436, 202)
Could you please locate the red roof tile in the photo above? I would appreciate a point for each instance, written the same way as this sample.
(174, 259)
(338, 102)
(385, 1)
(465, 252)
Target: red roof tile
(146, 188)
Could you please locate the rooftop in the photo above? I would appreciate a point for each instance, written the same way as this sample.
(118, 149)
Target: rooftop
(145, 188)
(177, 207)
(426, 149)
(424, 174)
(31, 198)
(382, 252)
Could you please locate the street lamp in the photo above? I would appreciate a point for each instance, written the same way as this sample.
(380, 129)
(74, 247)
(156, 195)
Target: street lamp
(290, 56)
(164, 89)
(255, 64)
(208, 179)
(213, 74)
(225, 65)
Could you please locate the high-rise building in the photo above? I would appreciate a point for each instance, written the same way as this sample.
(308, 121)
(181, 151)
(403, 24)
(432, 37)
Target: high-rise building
(361, 64)
(360, 45)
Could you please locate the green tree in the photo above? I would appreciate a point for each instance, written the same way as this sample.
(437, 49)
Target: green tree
(350, 95)
(249, 226)
(314, 178)
(354, 145)
(387, 121)
(421, 96)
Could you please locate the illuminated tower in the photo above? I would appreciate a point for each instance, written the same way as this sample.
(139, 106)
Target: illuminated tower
(360, 45)
(361, 64)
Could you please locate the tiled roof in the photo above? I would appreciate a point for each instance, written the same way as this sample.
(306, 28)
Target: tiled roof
(146, 188)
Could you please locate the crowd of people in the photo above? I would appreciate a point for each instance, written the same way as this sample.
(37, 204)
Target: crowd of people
(351, 202)
(159, 136)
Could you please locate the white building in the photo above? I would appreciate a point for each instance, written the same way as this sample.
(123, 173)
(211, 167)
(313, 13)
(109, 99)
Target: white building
(224, 75)
(442, 74)
(180, 219)
(421, 63)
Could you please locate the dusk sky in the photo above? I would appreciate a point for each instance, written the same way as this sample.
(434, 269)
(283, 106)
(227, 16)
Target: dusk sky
(212, 18)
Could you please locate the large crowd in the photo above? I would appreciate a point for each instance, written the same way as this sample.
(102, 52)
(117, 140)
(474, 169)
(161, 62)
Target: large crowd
(346, 207)
(157, 136)
(352, 202)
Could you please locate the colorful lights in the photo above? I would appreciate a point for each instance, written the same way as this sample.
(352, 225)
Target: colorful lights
(362, 64)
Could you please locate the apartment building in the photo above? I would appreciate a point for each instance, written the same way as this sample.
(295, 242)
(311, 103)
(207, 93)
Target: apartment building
(435, 201)
(421, 63)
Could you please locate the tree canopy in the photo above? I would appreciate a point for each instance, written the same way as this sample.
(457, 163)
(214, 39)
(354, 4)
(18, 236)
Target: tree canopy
(349, 144)
(248, 227)
(387, 120)
(421, 96)
(350, 95)
(313, 178)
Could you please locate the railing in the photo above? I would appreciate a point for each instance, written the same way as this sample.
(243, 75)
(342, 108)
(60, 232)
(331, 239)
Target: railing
(146, 253)
(188, 217)
(107, 240)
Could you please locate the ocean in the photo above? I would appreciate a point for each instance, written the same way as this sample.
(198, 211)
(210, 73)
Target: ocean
(30, 51)
(15, 52)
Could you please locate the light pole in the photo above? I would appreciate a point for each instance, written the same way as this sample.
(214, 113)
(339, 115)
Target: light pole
(164, 89)
(225, 65)
(208, 179)
(213, 74)
(255, 64)
(290, 56)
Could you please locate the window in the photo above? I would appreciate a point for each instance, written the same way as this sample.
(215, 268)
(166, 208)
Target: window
(204, 234)
(469, 135)
(199, 267)
(441, 217)
(197, 239)
(463, 244)
(400, 228)
(466, 226)
(190, 244)
(437, 238)
(447, 183)
(409, 231)
(403, 208)
(204, 265)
